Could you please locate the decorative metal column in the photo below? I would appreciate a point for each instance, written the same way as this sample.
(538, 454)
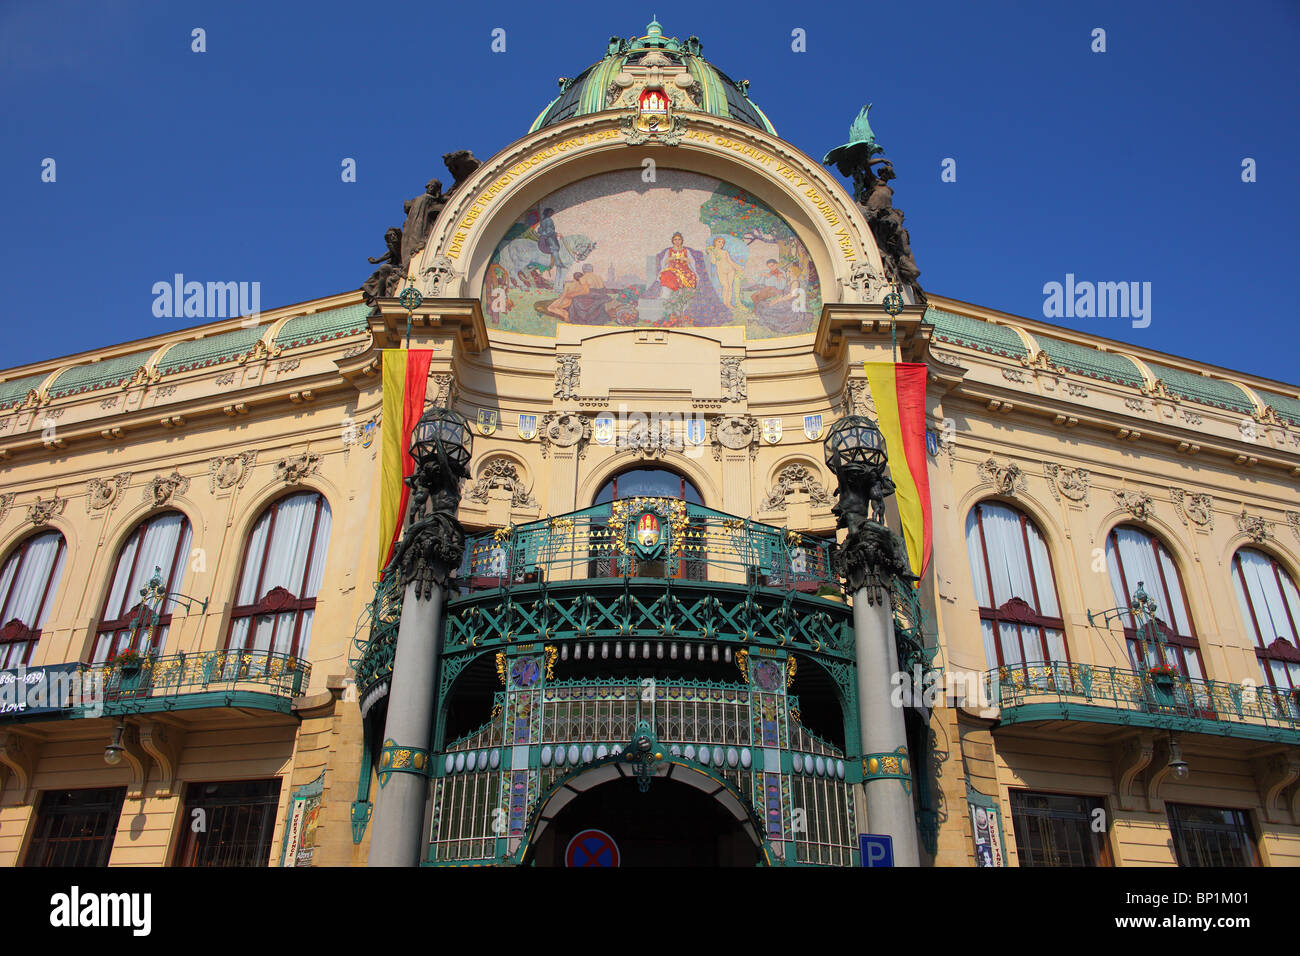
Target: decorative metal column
(431, 546)
(869, 560)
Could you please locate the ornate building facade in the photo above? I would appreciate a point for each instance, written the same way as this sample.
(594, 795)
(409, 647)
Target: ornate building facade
(651, 308)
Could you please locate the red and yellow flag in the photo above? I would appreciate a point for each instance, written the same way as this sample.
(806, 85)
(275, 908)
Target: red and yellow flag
(406, 376)
(898, 389)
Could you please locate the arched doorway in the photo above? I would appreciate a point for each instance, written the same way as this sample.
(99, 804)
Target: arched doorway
(685, 818)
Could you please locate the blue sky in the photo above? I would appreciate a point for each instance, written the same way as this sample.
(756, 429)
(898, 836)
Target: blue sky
(225, 165)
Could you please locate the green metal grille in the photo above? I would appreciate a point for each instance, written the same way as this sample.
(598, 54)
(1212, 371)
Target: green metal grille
(1058, 690)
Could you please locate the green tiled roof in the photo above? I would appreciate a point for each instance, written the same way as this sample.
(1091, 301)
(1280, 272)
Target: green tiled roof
(1285, 405)
(103, 374)
(320, 326)
(212, 350)
(1199, 388)
(1106, 366)
(14, 391)
(976, 334)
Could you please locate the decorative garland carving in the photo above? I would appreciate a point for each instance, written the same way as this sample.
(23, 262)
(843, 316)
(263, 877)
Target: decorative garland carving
(1136, 503)
(564, 430)
(568, 374)
(1073, 483)
(162, 489)
(442, 384)
(1292, 518)
(227, 472)
(40, 512)
(6, 503)
(502, 473)
(1006, 479)
(1257, 527)
(1195, 509)
(734, 432)
(735, 387)
(860, 398)
(793, 478)
(650, 439)
(101, 494)
(293, 470)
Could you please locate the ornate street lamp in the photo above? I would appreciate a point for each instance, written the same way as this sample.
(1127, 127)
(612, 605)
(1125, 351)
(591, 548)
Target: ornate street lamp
(441, 443)
(871, 553)
(431, 547)
(113, 752)
(870, 559)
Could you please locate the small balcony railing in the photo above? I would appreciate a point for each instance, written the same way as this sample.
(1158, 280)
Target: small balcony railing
(228, 678)
(614, 540)
(1057, 690)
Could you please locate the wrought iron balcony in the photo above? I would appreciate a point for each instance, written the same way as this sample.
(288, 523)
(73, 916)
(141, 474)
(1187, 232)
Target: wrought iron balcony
(1066, 691)
(650, 538)
(231, 678)
(609, 573)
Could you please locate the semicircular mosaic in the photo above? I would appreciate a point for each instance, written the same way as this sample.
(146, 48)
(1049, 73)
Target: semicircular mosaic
(686, 250)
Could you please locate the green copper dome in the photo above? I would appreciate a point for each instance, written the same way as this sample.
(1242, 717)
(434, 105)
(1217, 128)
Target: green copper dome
(595, 88)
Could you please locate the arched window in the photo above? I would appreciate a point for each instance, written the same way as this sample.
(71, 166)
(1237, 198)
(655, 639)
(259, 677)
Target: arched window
(1271, 606)
(163, 543)
(281, 574)
(648, 483)
(28, 581)
(1015, 587)
(1135, 557)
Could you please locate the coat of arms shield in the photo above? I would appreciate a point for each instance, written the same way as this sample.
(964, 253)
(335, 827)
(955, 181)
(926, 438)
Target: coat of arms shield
(696, 431)
(487, 420)
(527, 427)
(771, 430)
(812, 427)
(602, 429)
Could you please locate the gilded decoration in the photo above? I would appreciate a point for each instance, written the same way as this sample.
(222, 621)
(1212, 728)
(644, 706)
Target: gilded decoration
(230, 471)
(1198, 509)
(502, 473)
(161, 489)
(792, 479)
(1136, 503)
(1073, 483)
(565, 430)
(1257, 527)
(101, 494)
(742, 662)
(551, 652)
(688, 251)
(735, 433)
(1006, 479)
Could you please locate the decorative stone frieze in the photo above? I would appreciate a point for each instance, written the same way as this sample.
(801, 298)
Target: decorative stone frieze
(1071, 483)
(162, 488)
(230, 471)
(565, 430)
(293, 470)
(735, 433)
(1197, 509)
(568, 374)
(1007, 479)
(104, 494)
(791, 479)
(734, 386)
(1136, 503)
(502, 473)
(1255, 526)
(40, 511)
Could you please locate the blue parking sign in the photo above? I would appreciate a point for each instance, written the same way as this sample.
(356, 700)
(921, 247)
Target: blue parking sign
(877, 849)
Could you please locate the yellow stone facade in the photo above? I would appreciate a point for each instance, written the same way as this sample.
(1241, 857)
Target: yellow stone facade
(292, 402)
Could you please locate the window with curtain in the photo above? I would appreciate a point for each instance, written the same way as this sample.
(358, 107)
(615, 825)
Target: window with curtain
(29, 580)
(161, 544)
(1014, 586)
(1135, 558)
(1270, 606)
(284, 562)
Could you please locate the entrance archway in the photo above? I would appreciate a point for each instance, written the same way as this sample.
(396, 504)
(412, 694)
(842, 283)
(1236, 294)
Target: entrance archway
(685, 818)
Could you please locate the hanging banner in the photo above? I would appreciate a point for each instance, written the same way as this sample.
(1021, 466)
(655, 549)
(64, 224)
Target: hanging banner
(405, 378)
(898, 390)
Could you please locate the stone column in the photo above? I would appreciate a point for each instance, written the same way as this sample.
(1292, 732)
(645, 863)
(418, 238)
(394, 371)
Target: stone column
(396, 838)
(886, 763)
